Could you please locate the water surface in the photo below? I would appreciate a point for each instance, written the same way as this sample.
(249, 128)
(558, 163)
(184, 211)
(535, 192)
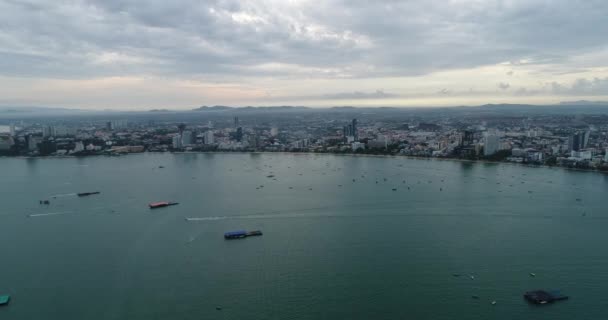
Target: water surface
(332, 248)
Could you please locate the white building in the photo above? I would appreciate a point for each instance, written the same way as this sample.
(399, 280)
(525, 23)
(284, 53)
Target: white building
(13, 131)
(357, 145)
(581, 155)
(606, 156)
(274, 131)
(6, 142)
(32, 142)
(78, 147)
(209, 137)
(490, 145)
(187, 138)
(177, 141)
(48, 131)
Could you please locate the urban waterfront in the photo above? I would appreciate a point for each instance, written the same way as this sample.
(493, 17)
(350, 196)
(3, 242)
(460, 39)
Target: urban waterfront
(344, 237)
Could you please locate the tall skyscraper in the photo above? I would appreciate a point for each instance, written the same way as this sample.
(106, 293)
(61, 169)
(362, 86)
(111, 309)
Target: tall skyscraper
(177, 141)
(578, 141)
(236, 122)
(209, 137)
(187, 138)
(350, 132)
(13, 130)
(239, 134)
(48, 131)
(490, 145)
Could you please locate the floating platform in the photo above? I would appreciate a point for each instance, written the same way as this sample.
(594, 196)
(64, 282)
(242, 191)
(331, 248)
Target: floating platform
(156, 205)
(241, 234)
(544, 297)
(4, 300)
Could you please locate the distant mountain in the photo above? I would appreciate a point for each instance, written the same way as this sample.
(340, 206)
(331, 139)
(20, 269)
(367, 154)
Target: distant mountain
(584, 103)
(159, 110)
(214, 108)
(28, 109)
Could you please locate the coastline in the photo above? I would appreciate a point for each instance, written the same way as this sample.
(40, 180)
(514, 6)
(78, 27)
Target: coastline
(324, 153)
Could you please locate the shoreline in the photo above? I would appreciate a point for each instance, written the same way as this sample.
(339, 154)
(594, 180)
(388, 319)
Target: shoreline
(323, 153)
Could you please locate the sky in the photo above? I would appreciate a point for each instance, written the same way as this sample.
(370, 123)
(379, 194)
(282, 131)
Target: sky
(181, 54)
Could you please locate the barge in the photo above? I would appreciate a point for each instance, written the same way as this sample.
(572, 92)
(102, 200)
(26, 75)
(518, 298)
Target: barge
(84, 194)
(162, 204)
(241, 234)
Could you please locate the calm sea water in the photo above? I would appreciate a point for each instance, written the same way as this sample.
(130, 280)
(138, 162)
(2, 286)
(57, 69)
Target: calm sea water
(332, 248)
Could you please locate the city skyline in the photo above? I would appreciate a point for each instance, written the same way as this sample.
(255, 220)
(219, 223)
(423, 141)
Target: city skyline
(138, 56)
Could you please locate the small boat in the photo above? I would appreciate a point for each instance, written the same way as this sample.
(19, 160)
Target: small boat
(544, 297)
(494, 302)
(455, 274)
(241, 234)
(532, 274)
(475, 297)
(4, 299)
(84, 194)
(394, 189)
(472, 277)
(162, 204)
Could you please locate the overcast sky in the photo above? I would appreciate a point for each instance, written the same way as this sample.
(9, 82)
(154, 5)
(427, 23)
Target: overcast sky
(175, 54)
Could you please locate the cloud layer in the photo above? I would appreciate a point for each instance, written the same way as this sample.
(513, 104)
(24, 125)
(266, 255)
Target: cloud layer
(324, 50)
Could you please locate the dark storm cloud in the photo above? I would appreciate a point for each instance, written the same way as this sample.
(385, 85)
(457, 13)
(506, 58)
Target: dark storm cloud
(230, 38)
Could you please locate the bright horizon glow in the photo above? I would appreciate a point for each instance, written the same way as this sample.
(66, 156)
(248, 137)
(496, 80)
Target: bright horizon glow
(130, 55)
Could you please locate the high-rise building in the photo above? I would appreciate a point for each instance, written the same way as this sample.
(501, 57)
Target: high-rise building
(78, 146)
(32, 142)
(350, 132)
(177, 141)
(209, 137)
(490, 145)
(12, 129)
(48, 131)
(6, 142)
(606, 156)
(187, 138)
(578, 141)
(236, 122)
(239, 134)
(274, 131)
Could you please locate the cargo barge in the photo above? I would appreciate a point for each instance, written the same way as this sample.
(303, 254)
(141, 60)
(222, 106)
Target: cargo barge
(162, 204)
(241, 234)
(84, 194)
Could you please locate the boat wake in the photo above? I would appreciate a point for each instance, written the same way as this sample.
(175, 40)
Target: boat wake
(47, 214)
(63, 195)
(207, 218)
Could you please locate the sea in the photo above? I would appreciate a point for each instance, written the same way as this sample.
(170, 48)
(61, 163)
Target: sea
(344, 237)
